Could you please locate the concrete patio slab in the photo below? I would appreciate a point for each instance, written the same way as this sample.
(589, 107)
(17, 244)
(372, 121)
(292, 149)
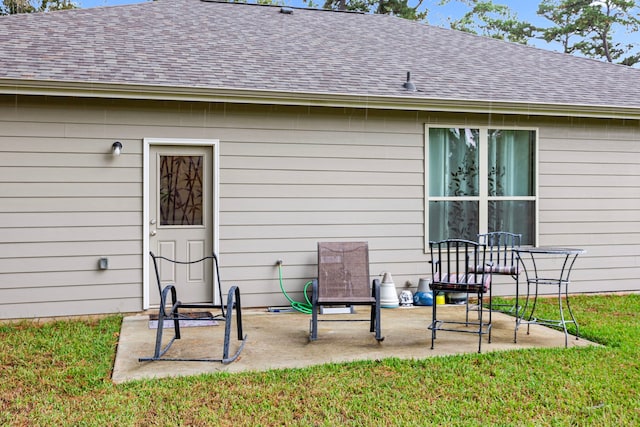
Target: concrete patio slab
(280, 340)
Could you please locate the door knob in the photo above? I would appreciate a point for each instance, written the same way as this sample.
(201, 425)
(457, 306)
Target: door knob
(153, 232)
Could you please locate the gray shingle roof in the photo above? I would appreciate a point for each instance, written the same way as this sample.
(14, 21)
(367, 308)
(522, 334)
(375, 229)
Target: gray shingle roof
(209, 45)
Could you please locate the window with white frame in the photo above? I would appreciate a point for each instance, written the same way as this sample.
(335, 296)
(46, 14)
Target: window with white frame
(480, 179)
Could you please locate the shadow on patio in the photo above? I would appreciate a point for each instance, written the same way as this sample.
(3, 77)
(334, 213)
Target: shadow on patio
(280, 340)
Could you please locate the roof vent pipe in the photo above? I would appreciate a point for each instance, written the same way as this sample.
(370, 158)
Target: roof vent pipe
(286, 10)
(408, 85)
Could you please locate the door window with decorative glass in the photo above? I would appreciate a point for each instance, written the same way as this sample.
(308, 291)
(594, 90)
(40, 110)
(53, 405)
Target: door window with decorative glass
(480, 180)
(181, 190)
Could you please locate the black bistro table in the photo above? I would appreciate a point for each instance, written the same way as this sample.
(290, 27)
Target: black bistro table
(531, 259)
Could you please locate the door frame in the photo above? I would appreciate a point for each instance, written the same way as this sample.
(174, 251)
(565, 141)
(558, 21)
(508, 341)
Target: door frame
(214, 144)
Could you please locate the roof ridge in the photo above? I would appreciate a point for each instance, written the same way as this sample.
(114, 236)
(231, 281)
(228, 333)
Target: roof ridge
(281, 6)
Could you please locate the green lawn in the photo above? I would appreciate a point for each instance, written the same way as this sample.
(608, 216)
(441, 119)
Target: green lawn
(59, 374)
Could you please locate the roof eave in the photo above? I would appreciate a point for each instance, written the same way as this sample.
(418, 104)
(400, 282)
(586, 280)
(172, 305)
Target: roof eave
(253, 96)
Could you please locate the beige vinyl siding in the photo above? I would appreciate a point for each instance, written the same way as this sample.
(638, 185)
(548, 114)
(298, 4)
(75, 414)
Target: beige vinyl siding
(590, 198)
(64, 203)
(335, 175)
(289, 177)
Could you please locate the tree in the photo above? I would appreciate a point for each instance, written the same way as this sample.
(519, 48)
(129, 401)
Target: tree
(400, 8)
(585, 27)
(588, 27)
(493, 20)
(565, 15)
(11, 7)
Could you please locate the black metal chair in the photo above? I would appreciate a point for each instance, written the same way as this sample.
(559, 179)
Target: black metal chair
(173, 313)
(343, 279)
(503, 261)
(452, 270)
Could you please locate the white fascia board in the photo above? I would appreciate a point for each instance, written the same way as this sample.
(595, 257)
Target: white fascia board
(191, 94)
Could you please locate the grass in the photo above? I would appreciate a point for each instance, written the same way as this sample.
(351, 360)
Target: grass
(59, 374)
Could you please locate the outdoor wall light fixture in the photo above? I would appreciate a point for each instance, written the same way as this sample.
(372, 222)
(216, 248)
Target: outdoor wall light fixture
(116, 148)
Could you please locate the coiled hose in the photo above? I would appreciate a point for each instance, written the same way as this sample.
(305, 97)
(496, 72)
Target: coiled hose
(302, 307)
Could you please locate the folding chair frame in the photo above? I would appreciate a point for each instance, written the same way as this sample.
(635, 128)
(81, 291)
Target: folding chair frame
(233, 302)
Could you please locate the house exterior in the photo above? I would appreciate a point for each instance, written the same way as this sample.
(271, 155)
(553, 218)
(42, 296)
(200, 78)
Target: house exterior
(290, 127)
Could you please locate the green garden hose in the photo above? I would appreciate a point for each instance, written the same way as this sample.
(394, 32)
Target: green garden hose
(302, 307)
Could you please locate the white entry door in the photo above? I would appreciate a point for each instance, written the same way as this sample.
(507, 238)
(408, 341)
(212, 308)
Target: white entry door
(181, 226)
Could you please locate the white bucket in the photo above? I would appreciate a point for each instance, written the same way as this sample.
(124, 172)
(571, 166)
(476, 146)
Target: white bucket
(388, 292)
